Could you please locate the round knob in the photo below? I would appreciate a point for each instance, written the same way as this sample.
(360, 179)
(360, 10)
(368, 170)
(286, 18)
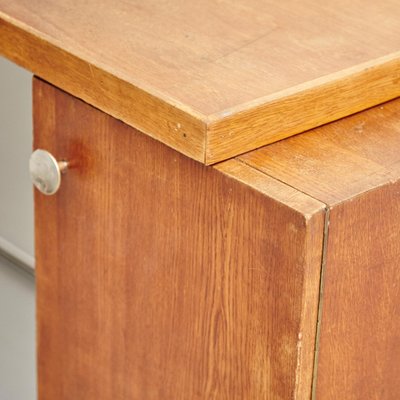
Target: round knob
(46, 171)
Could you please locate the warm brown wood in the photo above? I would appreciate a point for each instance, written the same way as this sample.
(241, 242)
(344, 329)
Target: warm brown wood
(340, 160)
(160, 278)
(302, 108)
(172, 124)
(212, 79)
(359, 350)
(354, 166)
(307, 207)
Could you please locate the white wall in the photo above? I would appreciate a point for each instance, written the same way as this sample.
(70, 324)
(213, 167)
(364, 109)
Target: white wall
(16, 195)
(17, 334)
(17, 289)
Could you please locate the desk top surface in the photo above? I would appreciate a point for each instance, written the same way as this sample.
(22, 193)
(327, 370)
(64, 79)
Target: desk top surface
(212, 78)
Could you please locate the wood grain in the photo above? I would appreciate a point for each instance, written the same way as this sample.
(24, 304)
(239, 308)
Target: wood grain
(359, 346)
(340, 160)
(352, 165)
(169, 122)
(302, 108)
(212, 80)
(307, 207)
(160, 278)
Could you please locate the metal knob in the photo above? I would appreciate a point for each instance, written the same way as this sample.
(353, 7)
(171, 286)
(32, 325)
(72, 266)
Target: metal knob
(46, 171)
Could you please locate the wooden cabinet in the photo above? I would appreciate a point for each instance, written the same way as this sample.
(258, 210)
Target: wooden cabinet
(264, 277)
(353, 166)
(160, 278)
(191, 252)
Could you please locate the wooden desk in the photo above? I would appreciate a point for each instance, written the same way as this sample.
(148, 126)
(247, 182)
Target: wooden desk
(212, 80)
(269, 275)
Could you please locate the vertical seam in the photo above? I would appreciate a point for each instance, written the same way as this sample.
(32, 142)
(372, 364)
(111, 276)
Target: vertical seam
(320, 303)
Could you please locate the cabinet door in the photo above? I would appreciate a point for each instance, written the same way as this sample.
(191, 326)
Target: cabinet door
(160, 278)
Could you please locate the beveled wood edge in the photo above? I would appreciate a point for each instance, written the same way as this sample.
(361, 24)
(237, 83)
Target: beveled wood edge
(334, 77)
(170, 123)
(303, 108)
(207, 139)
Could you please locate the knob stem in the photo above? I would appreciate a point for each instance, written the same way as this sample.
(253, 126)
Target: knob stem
(63, 165)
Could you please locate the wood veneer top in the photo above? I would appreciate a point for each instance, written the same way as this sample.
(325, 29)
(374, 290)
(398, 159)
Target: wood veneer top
(338, 161)
(212, 79)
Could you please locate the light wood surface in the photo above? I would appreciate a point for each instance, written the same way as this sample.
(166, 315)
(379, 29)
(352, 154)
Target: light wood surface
(160, 278)
(338, 161)
(307, 106)
(353, 166)
(167, 122)
(212, 79)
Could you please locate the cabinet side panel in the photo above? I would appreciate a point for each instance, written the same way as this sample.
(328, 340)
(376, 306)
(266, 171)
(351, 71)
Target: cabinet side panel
(160, 278)
(359, 354)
